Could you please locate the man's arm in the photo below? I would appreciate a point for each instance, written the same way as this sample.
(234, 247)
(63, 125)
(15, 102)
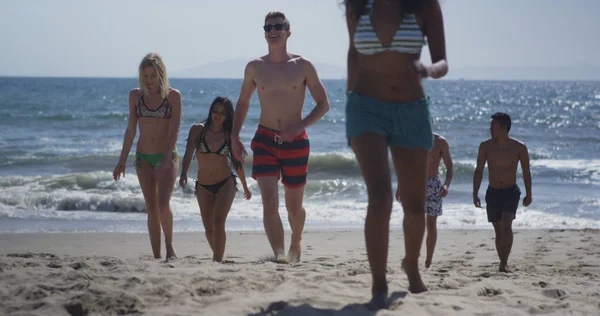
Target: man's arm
(524, 159)
(447, 158)
(317, 90)
(478, 174)
(243, 103)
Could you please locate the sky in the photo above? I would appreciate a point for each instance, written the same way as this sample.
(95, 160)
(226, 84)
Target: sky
(108, 38)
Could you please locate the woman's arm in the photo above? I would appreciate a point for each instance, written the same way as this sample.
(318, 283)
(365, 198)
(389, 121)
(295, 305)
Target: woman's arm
(190, 148)
(434, 30)
(131, 127)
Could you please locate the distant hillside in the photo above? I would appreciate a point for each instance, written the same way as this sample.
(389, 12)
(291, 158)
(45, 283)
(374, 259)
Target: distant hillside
(235, 69)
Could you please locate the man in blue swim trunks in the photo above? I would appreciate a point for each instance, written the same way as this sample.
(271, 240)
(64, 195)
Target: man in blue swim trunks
(502, 154)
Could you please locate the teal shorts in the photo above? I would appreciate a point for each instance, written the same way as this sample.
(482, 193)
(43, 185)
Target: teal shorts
(404, 124)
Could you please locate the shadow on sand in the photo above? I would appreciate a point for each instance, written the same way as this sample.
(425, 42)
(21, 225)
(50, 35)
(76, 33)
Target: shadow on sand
(283, 308)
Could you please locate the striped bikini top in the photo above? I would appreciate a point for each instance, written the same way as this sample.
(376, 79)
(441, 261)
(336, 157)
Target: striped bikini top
(163, 110)
(408, 38)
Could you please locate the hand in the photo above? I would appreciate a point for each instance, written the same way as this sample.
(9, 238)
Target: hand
(119, 169)
(444, 191)
(238, 150)
(398, 195)
(420, 69)
(182, 180)
(527, 200)
(247, 193)
(476, 201)
(288, 134)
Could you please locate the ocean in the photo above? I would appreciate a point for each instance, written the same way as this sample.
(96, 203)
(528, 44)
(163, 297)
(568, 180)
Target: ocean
(61, 138)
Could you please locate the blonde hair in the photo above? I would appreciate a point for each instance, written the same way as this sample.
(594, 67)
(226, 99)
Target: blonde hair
(154, 60)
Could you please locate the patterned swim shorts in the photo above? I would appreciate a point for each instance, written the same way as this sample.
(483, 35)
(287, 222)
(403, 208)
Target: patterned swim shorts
(433, 203)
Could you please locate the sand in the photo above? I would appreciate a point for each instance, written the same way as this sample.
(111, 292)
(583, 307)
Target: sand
(555, 272)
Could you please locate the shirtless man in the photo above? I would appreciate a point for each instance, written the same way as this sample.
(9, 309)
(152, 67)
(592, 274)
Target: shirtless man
(280, 145)
(503, 154)
(435, 189)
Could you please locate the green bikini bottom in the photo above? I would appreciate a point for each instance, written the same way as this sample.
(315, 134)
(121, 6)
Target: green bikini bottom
(152, 159)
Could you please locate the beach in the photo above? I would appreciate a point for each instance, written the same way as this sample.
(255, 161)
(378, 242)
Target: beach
(74, 242)
(554, 272)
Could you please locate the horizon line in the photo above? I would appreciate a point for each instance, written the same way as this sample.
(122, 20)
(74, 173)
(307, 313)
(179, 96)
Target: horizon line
(239, 78)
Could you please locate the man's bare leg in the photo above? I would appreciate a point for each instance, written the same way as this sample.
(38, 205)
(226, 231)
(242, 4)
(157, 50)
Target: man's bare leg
(498, 240)
(296, 216)
(271, 218)
(431, 238)
(507, 240)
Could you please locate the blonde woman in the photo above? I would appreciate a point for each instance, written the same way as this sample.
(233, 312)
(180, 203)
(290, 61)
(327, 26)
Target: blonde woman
(157, 109)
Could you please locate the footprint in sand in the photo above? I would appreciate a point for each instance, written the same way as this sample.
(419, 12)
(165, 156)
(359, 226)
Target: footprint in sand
(489, 291)
(78, 265)
(554, 293)
(55, 265)
(207, 291)
(31, 255)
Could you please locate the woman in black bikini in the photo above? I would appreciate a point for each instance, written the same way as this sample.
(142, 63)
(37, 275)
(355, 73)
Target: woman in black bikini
(216, 185)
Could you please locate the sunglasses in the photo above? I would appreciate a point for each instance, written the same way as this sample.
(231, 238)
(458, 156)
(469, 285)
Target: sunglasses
(268, 27)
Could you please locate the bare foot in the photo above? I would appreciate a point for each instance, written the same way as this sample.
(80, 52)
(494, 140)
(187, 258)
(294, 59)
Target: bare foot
(294, 254)
(171, 253)
(280, 257)
(503, 267)
(415, 283)
(379, 299)
(427, 264)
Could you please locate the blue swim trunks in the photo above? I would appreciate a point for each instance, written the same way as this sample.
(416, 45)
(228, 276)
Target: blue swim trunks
(404, 124)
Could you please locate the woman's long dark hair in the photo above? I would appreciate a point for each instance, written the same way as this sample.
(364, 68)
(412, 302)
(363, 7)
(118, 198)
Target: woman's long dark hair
(227, 125)
(358, 7)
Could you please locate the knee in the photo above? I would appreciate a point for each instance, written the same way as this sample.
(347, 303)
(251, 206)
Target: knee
(209, 229)
(295, 210)
(164, 209)
(219, 221)
(431, 225)
(270, 200)
(414, 206)
(506, 229)
(294, 206)
(381, 199)
(153, 211)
